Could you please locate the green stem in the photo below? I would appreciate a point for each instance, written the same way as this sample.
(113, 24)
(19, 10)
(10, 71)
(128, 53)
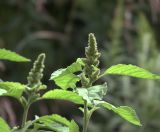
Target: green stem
(101, 76)
(85, 118)
(25, 114)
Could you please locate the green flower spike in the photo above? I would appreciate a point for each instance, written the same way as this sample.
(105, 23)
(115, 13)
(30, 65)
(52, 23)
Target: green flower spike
(91, 70)
(36, 73)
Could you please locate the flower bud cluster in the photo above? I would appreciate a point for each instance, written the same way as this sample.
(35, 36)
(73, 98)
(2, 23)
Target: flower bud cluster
(91, 71)
(36, 73)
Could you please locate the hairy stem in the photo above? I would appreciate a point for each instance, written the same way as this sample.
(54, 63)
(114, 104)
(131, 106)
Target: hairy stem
(25, 114)
(85, 118)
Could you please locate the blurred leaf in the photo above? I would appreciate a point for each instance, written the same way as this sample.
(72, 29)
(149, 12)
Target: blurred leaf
(13, 89)
(73, 127)
(131, 70)
(12, 56)
(2, 91)
(65, 78)
(4, 126)
(63, 95)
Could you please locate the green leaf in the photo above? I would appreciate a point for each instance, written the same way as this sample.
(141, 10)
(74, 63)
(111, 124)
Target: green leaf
(56, 123)
(54, 118)
(4, 126)
(12, 56)
(76, 66)
(125, 112)
(65, 78)
(131, 70)
(12, 89)
(80, 61)
(63, 95)
(97, 92)
(53, 122)
(2, 91)
(83, 92)
(73, 127)
(93, 93)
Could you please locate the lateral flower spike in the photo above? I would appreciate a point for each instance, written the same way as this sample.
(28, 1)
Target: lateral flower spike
(36, 73)
(91, 70)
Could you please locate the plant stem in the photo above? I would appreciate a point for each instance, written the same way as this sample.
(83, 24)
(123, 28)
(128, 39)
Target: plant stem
(25, 114)
(85, 118)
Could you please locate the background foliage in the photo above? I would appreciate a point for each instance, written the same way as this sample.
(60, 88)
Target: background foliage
(127, 31)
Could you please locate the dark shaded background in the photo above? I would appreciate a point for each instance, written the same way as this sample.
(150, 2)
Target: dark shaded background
(127, 31)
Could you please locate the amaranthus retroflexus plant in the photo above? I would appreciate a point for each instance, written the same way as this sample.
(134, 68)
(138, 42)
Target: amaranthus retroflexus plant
(89, 96)
(27, 95)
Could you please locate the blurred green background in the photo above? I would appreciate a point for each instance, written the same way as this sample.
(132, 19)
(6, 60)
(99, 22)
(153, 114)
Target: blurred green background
(127, 31)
